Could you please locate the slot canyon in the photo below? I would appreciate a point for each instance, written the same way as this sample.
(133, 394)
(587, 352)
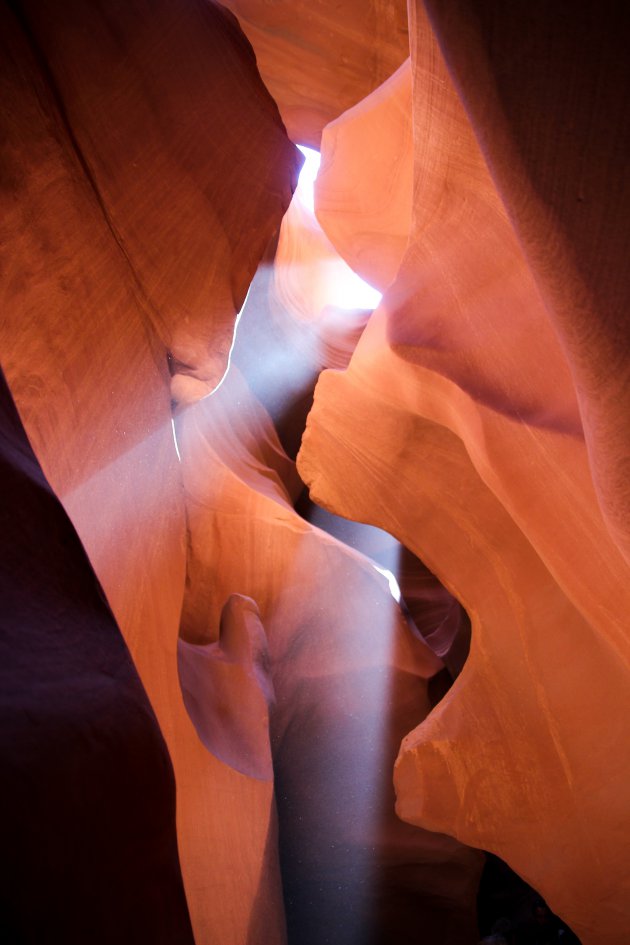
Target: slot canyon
(315, 452)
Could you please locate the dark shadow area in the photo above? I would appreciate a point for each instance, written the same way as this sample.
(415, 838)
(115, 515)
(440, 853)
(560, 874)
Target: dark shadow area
(353, 873)
(88, 792)
(439, 618)
(512, 913)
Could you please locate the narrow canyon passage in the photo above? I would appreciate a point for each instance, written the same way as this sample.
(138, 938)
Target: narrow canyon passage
(350, 672)
(345, 673)
(218, 722)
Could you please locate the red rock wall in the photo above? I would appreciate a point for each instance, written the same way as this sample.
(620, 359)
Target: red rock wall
(88, 793)
(318, 59)
(479, 416)
(476, 447)
(349, 678)
(134, 224)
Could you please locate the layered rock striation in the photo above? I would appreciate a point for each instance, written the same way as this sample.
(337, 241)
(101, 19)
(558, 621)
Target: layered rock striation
(479, 416)
(476, 445)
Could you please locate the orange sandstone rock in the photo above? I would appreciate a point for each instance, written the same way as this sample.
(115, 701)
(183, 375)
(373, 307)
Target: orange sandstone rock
(369, 226)
(190, 195)
(318, 59)
(456, 427)
(135, 223)
(547, 95)
(349, 674)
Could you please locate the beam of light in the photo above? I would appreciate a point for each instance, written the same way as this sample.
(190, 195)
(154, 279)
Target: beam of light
(344, 288)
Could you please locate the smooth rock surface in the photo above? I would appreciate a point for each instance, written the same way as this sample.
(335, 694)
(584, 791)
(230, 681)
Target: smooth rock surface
(369, 226)
(88, 793)
(547, 94)
(470, 449)
(480, 416)
(350, 677)
(228, 691)
(319, 59)
(115, 183)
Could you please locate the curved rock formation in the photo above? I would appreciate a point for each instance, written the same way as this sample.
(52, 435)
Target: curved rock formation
(127, 147)
(228, 691)
(350, 677)
(479, 416)
(317, 60)
(148, 108)
(536, 82)
(369, 226)
(470, 450)
(88, 793)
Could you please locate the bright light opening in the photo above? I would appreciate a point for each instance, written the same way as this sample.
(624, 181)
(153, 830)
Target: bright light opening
(308, 174)
(394, 588)
(347, 289)
(175, 439)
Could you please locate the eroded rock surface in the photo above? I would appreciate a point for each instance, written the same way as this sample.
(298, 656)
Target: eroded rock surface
(148, 99)
(88, 793)
(349, 674)
(318, 59)
(480, 416)
(470, 449)
(135, 221)
(228, 691)
(369, 226)
(556, 86)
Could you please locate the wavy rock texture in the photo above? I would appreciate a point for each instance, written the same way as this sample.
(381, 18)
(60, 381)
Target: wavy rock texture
(150, 105)
(457, 428)
(370, 225)
(480, 416)
(537, 82)
(118, 204)
(349, 675)
(75, 807)
(318, 59)
(228, 691)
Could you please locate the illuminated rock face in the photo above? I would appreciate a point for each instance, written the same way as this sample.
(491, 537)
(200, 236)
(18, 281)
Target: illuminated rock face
(370, 226)
(563, 96)
(134, 227)
(480, 444)
(479, 415)
(349, 679)
(321, 58)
